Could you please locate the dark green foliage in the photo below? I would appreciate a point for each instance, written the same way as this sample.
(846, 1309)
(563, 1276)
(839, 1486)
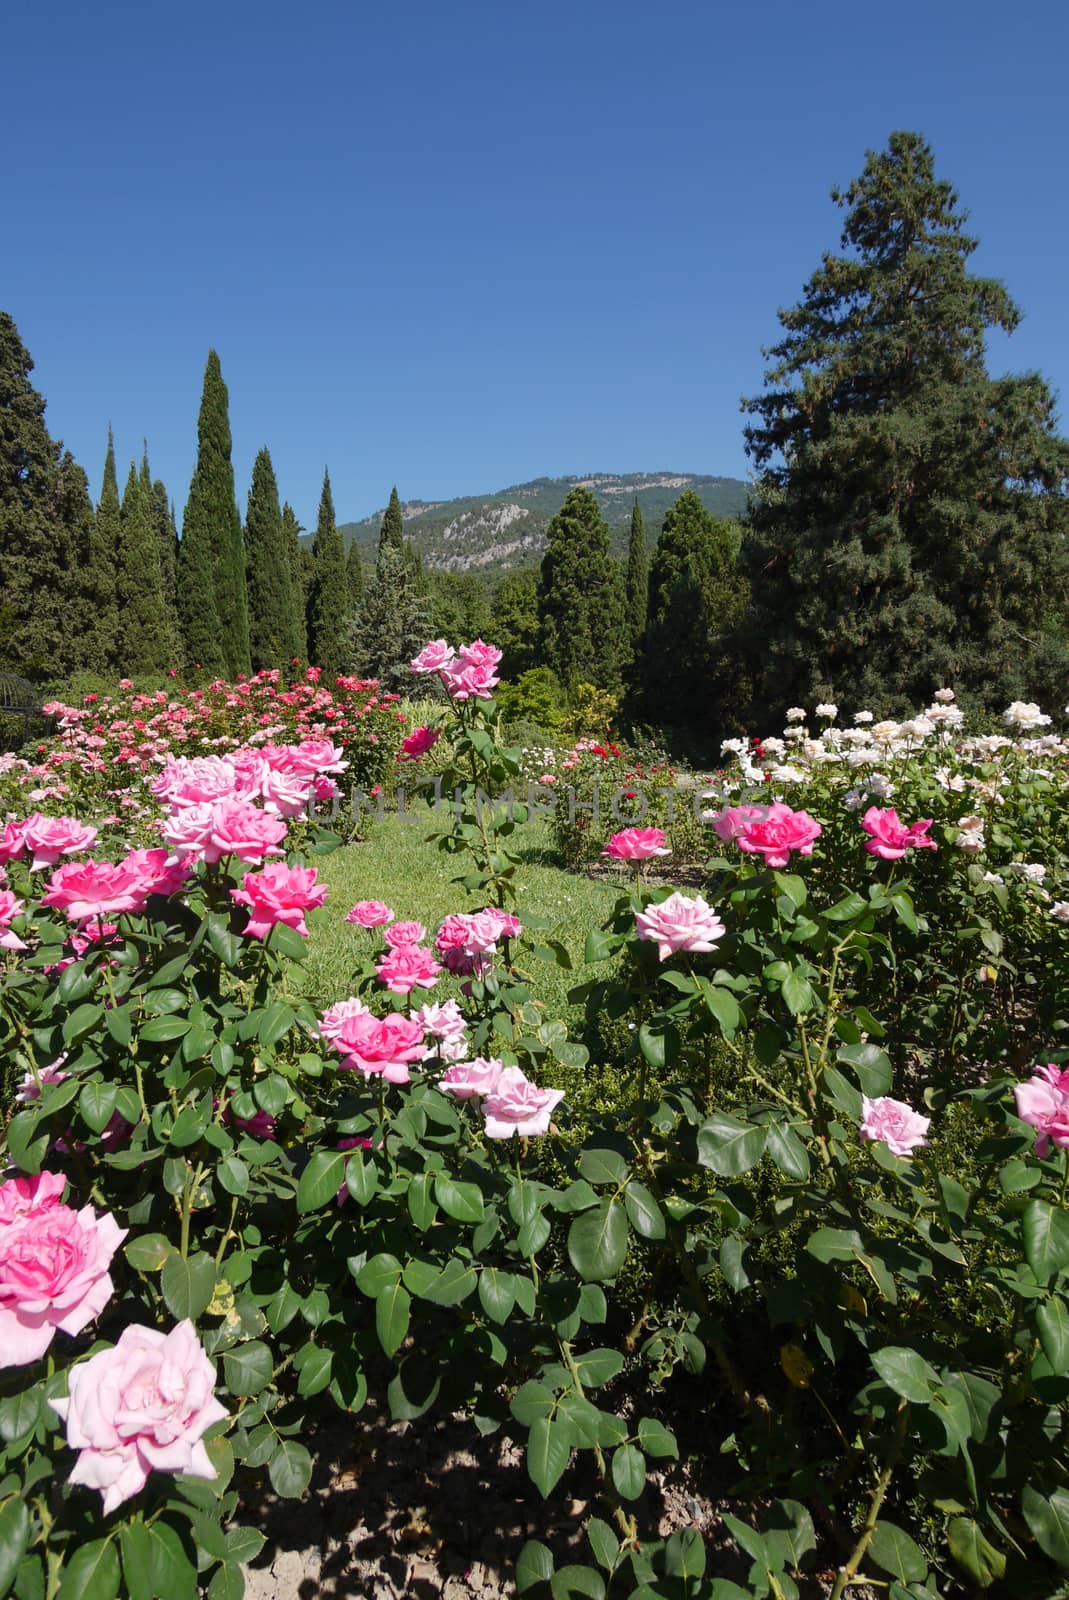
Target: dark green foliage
(580, 599)
(98, 573)
(329, 611)
(460, 607)
(697, 597)
(638, 576)
(354, 572)
(514, 628)
(38, 553)
(212, 602)
(269, 577)
(395, 620)
(911, 523)
(156, 497)
(392, 531)
(73, 513)
(143, 646)
(300, 577)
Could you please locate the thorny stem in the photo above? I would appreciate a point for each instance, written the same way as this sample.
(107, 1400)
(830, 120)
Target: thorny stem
(189, 1189)
(847, 1574)
(627, 1525)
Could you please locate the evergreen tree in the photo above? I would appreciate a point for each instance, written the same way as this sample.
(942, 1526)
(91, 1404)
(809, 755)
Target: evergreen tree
(212, 600)
(689, 666)
(354, 571)
(460, 607)
(98, 573)
(514, 628)
(296, 647)
(143, 645)
(37, 553)
(72, 509)
(270, 584)
(911, 521)
(396, 617)
(638, 576)
(329, 611)
(155, 497)
(392, 529)
(580, 598)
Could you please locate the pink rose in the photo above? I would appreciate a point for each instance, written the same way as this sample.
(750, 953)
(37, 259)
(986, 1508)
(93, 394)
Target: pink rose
(433, 656)
(30, 1089)
(407, 967)
(779, 832)
(48, 838)
(314, 757)
(53, 1271)
(95, 889)
(279, 894)
(12, 843)
(383, 1048)
(405, 933)
(158, 873)
(417, 744)
(891, 838)
(242, 830)
(24, 1197)
(466, 1079)
(195, 780)
(680, 923)
(144, 1405)
(336, 1016)
(370, 914)
(286, 794)
(637, 844)
(730, 823)
(894, 1124)
(515, 1105)
(478, 654)
(446, 1025)
(1043, 1102)
(468, 681)
(10, 907)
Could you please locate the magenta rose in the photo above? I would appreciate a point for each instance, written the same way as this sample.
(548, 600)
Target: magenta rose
(48, 838)
(433, 656)
(466, 1079)
(515, 1105)
(405, 933)
(1043, 1102)
(143, 1406)
(157, 871)
(408, 967)
(279, 894)
(468, 681)
(778, 833)
(10, 907)
(53, 1272)
(242, 830)
(95, 889)
(12, 843)
(418, 742)
(383, 1048)
(680, 923)
(894, 1124)
(890, 838)
(370, 914)
(637, 844)
(729, 823)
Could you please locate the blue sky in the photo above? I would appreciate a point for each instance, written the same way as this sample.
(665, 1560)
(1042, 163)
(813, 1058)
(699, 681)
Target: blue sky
(456, 245)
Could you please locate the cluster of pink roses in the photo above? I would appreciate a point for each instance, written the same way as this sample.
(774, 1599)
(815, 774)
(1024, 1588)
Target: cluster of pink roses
(775, 831)
(469, 673)
(284, 778)
(511, 1103)
(92, 890)
(377, 1047)
(279, 894)
(44, 839)
(1043, 1102)
(468, 940)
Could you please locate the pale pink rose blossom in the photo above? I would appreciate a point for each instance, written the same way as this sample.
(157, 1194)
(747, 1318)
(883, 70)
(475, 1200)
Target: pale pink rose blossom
(48, 838)
(279, 894)
(468, 681)
(10, 907)
(733, 820)
(405, 933)
(195, 780)
(890, 838)
(778, 833)
(680, 923)
(444, 1023)
(370, 914)
(335, 1016)
(407, 967)
(285, 794)
(637, 844)
(32, 1084)
(894, 1124)
(1043, 1102)
(142, 1406)
(478, 654)
(433, 656)
(515, 1105)
(466, 1079)
(53, 1273)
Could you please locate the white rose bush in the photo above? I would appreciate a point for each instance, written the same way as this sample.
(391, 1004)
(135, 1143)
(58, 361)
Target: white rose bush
(813, 1226)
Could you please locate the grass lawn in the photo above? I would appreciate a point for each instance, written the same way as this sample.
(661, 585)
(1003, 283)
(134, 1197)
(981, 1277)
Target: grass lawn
(399, 866)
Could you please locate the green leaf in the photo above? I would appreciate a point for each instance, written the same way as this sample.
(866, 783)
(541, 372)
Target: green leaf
(462, 1201)
(872, 1066)
(598, 1367)
(276, 1020)
(973, 1553)
(656, 1439)
(244, 1544)
(603, 1542)
(19, 1413)
(597, 1241)
(600, 946)
(798, 994)
(392, 1310)
(92, 1573)
(834, 1244)
(287, 942)
(321, 1179)
(787, 1151)
(548, 1451)
(684, 1554)
(233, 1175)
(14, 1539)
(290, 1470)
(147, 1252)
(729, 1147)
(628, 1471)
(228, 1582)
(378, 1274)
(314, 1371)
(361, 1178)
(453, 1284)
(1052, 1324)
(531, 1401)
(1046, 1239)
(893, 1549)
(721, 1004)
(248, 1368)
(497, 1294)
(603, 1166)
(1048, 1519)
(191, 1122)
(575, 1580)
(535, 1565)
(904, 910)
(644, 1212)
(82, 1021)
(907, 1373)
(97, 1103)
(188, 1284)
(659, 1045)
(161, 1030)
(845, 910)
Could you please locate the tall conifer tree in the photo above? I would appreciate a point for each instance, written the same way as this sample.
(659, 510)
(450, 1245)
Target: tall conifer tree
(329, 611)
(297, 633)
(143, 645)
(638, 576)
(392, 530)
(154, 495)
(354, 570)
(73, 512)
(911, 525)
(269, 581)
(580, 599)
(395, 619)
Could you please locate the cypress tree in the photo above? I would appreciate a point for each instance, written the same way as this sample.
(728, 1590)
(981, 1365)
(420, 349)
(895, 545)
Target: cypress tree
(212, 601)
(395, 620)
(143, 645)
(36, 552)
(296, 646)
(911, 524)
(354, 571)
(329, 612)
(638, 576)
(580, 599)
(73, 512)
(154, 495)
(97, 582)
(515, 623)
(269, 581)
(392, 529)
